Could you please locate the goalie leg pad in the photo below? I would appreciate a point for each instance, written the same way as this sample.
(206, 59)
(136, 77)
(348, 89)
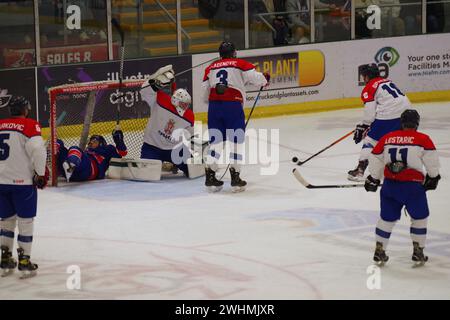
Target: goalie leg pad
(135, 169)
(195, 169)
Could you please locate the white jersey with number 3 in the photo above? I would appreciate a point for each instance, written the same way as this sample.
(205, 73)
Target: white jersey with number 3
(22, 151)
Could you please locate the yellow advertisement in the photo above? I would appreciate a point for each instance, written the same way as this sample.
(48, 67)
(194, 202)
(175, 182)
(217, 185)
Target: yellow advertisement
(302, 69)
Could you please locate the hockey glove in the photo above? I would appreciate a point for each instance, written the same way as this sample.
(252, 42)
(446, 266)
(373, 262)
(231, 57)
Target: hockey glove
(371, 184)
(41, 181)
(267, 76)
(118, 139)
(360, 132)
(431, 183)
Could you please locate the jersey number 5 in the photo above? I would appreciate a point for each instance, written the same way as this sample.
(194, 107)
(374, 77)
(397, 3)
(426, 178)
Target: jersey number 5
(392, 89)
(4, 147)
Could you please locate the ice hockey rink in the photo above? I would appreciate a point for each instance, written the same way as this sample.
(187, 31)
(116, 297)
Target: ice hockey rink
(277, 240)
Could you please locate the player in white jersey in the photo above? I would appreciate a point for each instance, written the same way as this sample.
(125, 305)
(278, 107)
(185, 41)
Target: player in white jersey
(224, 85)
(383, 105)
(400, 156)
(22, 169)
(170, 117)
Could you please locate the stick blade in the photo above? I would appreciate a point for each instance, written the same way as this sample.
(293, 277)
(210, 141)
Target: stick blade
(300, 178)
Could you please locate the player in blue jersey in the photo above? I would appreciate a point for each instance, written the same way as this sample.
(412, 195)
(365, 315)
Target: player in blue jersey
(92, 163)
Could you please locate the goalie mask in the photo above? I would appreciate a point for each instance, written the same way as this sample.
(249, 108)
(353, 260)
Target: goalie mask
(96, 141)
(181, 100)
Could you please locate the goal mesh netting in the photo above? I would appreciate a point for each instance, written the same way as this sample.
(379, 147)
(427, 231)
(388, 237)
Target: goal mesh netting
(80, 110)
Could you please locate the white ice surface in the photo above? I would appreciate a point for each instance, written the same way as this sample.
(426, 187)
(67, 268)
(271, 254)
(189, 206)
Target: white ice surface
(277, 240)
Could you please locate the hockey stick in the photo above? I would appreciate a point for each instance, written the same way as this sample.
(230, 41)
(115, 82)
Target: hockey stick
(299, 163)
(246, 123)
(302, 180)
(115, 23)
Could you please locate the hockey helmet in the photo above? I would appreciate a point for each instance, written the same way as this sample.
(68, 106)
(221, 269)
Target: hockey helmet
(18, 106)
(410, 119)
(181, 99)
(370, 70)
(227, 50)
(100, 139)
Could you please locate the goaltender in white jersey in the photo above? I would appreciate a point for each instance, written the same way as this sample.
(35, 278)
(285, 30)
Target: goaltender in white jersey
(170, 117)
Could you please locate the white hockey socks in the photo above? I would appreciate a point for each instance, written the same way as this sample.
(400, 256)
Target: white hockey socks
(25, 237)
(7, 227)
(368, 145)
(214, 154)
(418, 231)
(236, 155)
(383, 231)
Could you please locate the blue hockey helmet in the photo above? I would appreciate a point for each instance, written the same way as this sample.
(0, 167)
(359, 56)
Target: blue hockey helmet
(100, 139)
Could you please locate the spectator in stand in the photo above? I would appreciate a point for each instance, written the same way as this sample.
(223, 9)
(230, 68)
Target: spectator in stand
(391, 22)
(262, 35)
(412, 15)
(299, 22)
(361, 16)
(333, 24)
(435, 16)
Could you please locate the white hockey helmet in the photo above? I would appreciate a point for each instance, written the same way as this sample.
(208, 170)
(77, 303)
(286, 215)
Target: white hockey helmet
(181, 99)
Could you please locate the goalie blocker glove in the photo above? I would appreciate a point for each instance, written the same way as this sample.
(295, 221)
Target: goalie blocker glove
(360, 132)
(431, 183)
(118, 139)
(371, 184)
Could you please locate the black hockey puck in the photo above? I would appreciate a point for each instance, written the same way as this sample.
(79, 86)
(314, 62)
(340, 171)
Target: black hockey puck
(295, 159)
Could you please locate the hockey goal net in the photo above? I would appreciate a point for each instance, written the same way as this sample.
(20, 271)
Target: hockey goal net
(80, 110)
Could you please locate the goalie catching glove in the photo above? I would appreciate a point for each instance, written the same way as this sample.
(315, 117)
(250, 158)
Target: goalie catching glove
(163, 77)
(360, 132)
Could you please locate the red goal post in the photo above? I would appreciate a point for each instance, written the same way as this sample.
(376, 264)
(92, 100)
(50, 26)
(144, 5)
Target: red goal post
(82, 109)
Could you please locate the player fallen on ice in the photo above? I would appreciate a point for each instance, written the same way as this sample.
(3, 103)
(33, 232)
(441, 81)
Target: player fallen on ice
(171, 118)
(224, 86)
(400, 156)
(383, 105)
(92, 163)
(22, 170)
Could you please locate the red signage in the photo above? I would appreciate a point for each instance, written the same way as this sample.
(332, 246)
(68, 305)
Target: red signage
(58, 55)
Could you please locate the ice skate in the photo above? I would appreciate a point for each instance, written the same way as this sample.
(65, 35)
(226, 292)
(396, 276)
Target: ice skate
(237, 184)
(380, 256)
(418, 256)
(8, 263)
(26, 267)
(211, 182)
(358, 173)
(68, 169)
